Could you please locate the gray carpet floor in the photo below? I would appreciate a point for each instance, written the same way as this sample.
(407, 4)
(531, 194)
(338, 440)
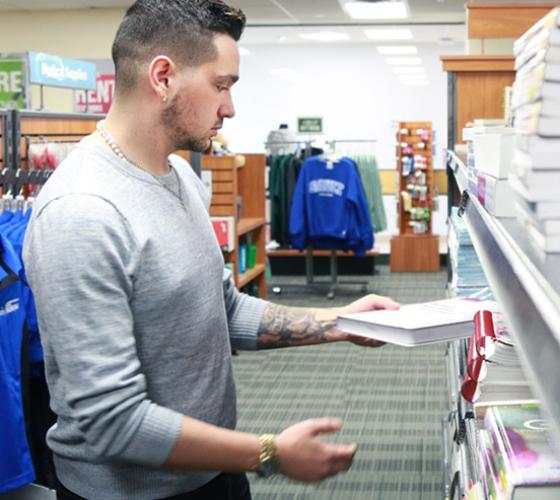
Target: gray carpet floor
(391, 399)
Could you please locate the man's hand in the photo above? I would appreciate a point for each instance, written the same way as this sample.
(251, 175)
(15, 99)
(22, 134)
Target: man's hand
(368, 303)
(305, 457)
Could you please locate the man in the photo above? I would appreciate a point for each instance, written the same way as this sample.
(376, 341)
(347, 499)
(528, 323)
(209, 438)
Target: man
(135, 311)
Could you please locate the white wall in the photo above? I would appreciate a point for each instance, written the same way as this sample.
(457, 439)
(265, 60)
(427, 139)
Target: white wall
(350, 85)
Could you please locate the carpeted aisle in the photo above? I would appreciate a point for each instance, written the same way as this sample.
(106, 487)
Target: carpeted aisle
(391, 400)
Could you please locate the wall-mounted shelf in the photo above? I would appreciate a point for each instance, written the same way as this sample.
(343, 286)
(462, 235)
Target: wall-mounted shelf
(527, 285)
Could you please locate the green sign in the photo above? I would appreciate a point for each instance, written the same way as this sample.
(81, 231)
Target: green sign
(310, 125)
(12, 86)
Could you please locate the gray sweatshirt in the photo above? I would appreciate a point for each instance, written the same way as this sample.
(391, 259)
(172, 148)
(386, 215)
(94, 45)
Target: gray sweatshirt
(136, 316)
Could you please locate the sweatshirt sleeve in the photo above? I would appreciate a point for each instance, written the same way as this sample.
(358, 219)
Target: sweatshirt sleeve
(244, 315)
(298, 216)
(80, 259)
(363, 227)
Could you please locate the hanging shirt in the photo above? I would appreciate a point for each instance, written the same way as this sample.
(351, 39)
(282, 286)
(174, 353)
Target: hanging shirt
(329, 208)
(16, 468)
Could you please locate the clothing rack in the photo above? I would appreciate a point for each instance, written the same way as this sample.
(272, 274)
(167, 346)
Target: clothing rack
(333, 263)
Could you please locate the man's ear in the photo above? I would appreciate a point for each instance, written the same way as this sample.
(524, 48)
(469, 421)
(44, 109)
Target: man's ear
(162, 72)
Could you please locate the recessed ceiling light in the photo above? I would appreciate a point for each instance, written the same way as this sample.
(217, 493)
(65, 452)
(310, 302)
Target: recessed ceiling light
(243, 51)
(325, 36)
(405, 61)
(376, 10)
(388, 34)
(408, 69)
(281, 71)
(397, 50)
(282, 39)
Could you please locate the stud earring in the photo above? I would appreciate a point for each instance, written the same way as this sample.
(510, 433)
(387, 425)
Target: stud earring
(164, 99)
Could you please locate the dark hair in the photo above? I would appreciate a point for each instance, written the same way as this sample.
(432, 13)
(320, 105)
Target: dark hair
(181, 29)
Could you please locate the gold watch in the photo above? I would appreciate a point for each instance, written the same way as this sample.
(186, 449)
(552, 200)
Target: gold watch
(268, 459)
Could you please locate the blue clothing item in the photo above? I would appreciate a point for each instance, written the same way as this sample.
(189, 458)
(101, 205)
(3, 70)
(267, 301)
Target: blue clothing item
(14, 230)
(16, 468)
(329, 207)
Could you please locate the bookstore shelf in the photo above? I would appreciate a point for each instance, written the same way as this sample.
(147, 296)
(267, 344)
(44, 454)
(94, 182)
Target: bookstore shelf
(527, 285)
(251, 274)
(248, 224)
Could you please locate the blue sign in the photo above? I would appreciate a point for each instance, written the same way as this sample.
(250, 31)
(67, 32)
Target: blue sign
(55, 71)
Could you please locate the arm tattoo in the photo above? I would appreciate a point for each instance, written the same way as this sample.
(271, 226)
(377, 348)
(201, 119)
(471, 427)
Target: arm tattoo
(291, 326)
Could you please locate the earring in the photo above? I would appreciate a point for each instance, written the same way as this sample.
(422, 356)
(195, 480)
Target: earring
(164, 99)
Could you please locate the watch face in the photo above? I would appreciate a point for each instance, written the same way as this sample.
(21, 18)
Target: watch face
(268, 468)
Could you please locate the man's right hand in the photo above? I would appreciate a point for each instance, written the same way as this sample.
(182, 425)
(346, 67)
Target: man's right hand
(305, 457)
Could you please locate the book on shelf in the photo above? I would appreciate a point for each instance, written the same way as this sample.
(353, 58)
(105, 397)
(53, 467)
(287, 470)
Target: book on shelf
(532, 192)
(538, 148)
(521, 451)
(525, 215)
(542, 210)
(417, 324)
(543, 242)
(536, 170)
(543, 32)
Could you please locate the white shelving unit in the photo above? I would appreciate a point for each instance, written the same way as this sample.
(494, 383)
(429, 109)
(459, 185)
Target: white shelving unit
(527, 286)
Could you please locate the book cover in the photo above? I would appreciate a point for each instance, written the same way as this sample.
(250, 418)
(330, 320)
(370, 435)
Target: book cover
(523, 452)
(417, 324)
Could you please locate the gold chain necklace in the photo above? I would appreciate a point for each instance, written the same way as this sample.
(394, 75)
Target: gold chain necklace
(119, 153)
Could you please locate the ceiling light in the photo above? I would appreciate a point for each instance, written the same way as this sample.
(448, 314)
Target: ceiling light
(281, 71)
(408, 69)
(417, 82)
(295, 78)
(243, 51)
(376, 10)
(325, 36)
(388, 34)
(412, 76)
(405, 61)
(397, 50)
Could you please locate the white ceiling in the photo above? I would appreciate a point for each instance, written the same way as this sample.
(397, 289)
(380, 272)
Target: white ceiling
(273, 11)
(430, 20)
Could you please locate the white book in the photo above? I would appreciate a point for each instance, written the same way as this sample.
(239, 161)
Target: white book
(538, 148)
(544, 28)
(545, 243)
(545, 226)
(537, 162)
(543, 193)
(542, 210)
(417, 324)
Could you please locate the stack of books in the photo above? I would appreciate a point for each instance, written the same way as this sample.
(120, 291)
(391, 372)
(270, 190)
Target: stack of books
(468, 276)
(519, 459)
(536, 105)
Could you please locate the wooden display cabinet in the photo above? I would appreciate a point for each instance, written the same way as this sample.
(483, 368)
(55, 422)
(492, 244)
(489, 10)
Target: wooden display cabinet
(239, 192)
(415, 248)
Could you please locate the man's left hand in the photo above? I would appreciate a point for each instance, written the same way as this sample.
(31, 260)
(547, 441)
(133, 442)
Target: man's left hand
(368, 303)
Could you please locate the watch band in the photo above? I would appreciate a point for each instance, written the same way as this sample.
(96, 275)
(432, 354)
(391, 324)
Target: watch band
(268, 458)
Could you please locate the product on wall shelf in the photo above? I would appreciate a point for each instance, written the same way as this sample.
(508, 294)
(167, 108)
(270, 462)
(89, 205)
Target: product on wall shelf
(239, 193)
(415, 248)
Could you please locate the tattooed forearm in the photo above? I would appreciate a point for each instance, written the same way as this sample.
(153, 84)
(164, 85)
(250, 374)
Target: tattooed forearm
(291, 326)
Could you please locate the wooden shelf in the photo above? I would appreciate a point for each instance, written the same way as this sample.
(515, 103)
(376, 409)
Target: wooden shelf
(250, 275)
(292, 252)
(248, 224)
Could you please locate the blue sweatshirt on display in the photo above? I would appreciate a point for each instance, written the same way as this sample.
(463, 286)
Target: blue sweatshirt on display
(16, 468)
(329, 207)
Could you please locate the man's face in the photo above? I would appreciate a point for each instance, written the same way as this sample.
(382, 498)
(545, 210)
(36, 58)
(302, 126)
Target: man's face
(203, 99)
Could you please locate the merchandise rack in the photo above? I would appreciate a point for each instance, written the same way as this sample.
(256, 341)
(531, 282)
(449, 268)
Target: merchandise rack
(527, 286)
(410, 251)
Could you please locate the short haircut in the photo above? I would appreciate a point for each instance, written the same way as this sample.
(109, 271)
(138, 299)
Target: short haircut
(180, 29)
